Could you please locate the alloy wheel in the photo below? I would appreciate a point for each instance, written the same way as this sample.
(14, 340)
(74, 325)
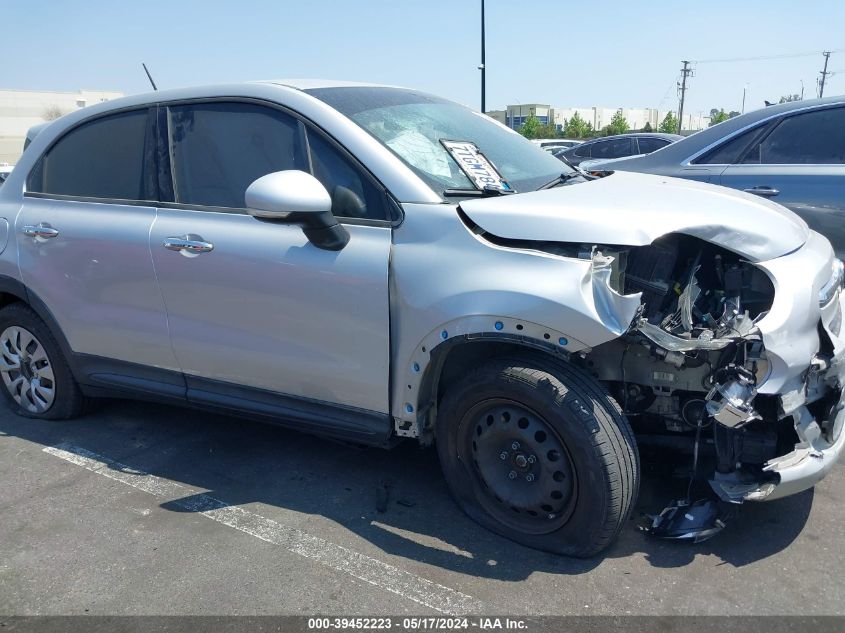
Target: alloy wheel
(26, 369)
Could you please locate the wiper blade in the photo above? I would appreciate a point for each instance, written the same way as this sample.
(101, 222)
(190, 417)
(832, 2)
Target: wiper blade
(563, 178)
(487, 192)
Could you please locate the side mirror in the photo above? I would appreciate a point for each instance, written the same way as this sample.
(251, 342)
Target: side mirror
(296, 197)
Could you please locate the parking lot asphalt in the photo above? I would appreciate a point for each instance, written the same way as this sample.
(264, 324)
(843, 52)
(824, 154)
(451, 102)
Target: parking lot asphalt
(145, 509)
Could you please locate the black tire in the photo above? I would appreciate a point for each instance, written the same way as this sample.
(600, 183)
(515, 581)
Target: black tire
(67, 400)
(586, 493)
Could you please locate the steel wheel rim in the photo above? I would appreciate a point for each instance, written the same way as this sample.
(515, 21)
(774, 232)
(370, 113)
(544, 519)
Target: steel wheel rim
(522, 471)
(26, 370)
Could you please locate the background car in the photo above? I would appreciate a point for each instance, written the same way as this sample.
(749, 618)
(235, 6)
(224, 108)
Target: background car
(5, 170)
(554, 144)
(793, 153)
(617, 146)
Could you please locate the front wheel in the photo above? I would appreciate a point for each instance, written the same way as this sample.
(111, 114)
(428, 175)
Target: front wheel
(537, 451)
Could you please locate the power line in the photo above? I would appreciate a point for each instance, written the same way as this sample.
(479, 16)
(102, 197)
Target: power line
(761, 57)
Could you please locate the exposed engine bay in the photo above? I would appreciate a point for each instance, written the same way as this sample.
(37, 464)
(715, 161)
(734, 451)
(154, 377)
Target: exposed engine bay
(687, 370)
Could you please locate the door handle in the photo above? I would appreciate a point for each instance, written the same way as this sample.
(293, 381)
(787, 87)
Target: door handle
(40, 231)
(188, 244)
(768, 192)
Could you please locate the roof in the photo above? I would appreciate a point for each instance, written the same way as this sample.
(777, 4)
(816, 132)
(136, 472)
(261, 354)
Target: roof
(309, 84)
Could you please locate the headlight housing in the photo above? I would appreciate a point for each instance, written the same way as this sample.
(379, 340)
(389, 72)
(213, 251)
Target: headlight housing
(834, 284)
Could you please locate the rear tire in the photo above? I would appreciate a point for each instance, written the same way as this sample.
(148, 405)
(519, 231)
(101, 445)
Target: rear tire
(537, 451)
(36, 378)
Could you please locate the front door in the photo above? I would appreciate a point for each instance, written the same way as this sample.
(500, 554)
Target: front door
(252, 304)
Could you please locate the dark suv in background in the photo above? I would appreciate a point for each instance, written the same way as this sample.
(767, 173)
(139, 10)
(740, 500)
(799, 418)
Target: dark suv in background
(792, 153)
(617, 146)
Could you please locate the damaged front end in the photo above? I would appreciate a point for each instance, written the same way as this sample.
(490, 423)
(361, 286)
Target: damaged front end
(689, 368)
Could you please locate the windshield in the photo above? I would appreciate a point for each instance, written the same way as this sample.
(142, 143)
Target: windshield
(411, 124)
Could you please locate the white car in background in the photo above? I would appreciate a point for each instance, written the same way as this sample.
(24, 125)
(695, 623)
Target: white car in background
(5, 170)
(551, 144)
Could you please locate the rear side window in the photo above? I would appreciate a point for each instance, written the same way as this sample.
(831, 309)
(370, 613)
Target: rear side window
(804, 139)
(103, 158)
(649, 145)
(219, 149)
(616, 148)
(582, 151)
(730, 152)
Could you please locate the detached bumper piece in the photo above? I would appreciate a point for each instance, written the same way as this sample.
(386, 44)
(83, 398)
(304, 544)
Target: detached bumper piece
(692, 522)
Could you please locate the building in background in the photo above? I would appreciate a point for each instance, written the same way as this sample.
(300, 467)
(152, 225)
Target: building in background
(21, 109)
(514, 116)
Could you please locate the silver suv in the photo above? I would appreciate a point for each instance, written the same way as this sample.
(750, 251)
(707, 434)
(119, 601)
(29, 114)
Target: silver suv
(375, 263)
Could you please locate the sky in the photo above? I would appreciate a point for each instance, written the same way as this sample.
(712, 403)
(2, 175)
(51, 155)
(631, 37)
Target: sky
(566, 54)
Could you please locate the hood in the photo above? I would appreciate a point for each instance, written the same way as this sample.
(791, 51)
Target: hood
(633, 209)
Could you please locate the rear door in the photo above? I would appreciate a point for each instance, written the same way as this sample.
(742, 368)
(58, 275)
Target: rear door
(259, 310)
(83, 236)
(800, 163)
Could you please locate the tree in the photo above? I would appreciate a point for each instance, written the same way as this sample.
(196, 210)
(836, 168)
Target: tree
(718, 116)
(647, 127)
(546, 130)
(576, 127)
(788, 98)
(669, 124)
(51, 113)
(530, 127)
(617, 125)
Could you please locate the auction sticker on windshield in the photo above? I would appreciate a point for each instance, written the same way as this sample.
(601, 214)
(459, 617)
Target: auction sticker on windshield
(475, 165)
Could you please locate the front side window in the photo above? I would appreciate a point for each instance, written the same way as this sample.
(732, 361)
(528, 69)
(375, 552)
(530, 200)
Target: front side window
(729, 153)
(615, 148)
(649, 145)
(812, 138)
(219, 149)
(353, 195)
(583, 150)
(103, 158)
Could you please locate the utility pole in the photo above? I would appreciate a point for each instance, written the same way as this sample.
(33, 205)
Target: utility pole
(744, 88)
(802, 90)
(824, 73)
(482, 67)
(686, 71)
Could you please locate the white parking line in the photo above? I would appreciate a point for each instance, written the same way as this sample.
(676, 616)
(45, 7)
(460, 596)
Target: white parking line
(370, 570)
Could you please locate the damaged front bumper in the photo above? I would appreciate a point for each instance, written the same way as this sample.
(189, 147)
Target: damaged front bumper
(813, 401)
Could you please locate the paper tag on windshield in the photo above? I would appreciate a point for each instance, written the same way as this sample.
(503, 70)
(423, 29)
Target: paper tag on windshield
(474, 164)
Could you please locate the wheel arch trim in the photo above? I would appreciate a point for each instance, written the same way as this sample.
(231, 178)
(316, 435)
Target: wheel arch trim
(16, 288)
(416, 391)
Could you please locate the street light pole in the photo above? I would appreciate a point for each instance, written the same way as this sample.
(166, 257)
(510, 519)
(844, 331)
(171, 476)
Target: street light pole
(482, 66)
(744, 88)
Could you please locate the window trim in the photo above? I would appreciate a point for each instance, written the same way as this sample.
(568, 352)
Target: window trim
(150, 135)
(394, 208)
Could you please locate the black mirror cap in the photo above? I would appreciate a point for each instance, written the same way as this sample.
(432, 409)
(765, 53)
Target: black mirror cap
(323, 230)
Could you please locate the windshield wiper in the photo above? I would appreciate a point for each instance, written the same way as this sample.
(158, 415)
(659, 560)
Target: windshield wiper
(564, 178)
(487, 192)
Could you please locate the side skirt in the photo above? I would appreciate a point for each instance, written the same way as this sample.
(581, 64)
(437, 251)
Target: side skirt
(102, 377)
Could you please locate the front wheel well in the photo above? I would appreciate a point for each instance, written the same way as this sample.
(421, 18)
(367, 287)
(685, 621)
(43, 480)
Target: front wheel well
(451, 361)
